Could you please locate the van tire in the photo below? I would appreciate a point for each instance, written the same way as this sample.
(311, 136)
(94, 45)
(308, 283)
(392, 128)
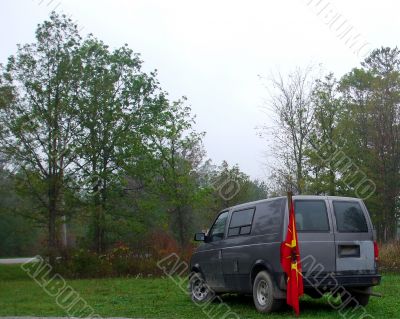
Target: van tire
(199, 291)
(358, 298)
(263, 293)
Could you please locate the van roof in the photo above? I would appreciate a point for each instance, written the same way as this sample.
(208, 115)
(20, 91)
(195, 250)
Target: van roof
(294, 197)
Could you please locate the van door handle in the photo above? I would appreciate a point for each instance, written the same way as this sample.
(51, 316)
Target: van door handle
(220, 254)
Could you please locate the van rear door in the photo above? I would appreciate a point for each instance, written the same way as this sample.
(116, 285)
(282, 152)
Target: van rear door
(354, 240)
(315, 234)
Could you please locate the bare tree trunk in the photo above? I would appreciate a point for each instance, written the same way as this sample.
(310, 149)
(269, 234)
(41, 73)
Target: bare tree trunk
(332, 185)
(97, 220)
(181, 227)
(52, 218)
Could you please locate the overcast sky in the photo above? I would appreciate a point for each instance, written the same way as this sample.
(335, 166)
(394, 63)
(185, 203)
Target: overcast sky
(213, 51)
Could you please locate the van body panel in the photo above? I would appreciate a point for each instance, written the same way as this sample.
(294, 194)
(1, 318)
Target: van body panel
(238, 262)
(316, 246)
(211, 264)
(362, 262)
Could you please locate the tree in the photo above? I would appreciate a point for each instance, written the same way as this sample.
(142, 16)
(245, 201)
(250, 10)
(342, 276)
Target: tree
(117, 102)
(175, 152)
(372, 107)
(322, 142)
(291, 101)
(232, 186)
(225, 186)
(39, 122)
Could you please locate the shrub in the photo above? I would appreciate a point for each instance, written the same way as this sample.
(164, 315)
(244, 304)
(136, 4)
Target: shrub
(122, 260)
(83, 263)
(162, 244)
(389, 256)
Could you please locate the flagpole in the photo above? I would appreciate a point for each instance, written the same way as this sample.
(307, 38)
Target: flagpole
(289, 197)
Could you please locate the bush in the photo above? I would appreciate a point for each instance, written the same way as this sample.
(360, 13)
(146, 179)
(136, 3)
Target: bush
(389, 256)
(122, 260)
(83, 263)
(162, 244)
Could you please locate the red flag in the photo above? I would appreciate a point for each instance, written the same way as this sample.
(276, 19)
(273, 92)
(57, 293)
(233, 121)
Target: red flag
(290, 261)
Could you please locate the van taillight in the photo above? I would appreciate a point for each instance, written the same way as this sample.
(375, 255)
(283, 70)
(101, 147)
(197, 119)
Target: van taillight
(376, 251)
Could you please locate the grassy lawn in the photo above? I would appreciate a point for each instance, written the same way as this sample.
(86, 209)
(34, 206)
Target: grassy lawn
(161, 298)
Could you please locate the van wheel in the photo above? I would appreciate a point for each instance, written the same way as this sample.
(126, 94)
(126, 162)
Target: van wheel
(199, 290)
(358, 297)
(263, 293)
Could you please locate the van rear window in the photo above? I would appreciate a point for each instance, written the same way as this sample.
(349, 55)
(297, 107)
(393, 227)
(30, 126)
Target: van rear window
(349, 217)
(311, 215)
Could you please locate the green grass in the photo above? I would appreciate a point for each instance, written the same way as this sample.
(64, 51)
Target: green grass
(161, 298)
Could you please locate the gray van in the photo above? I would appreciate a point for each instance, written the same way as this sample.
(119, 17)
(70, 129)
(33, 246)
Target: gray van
(241, 251)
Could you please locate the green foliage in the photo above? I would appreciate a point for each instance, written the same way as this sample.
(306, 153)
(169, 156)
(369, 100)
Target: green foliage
(323, 137)
(118, 107)
(19, 236)
(370, 131)
(38, 117)
(96, 141)
(224, 186)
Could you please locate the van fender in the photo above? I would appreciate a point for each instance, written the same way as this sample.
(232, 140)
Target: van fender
(196, 269)
(260, 265)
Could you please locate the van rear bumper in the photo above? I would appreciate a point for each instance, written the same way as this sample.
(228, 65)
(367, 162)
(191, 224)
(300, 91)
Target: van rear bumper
(332, 280)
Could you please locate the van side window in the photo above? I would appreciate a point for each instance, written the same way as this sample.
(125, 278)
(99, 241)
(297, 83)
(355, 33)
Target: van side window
(349, 217)
(217, 231)
(241, 222)
(311, 215)
(268, 217)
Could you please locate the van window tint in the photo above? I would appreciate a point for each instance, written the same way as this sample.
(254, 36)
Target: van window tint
(217, 231)
(241, 222)
(349, 217)
(311, 215)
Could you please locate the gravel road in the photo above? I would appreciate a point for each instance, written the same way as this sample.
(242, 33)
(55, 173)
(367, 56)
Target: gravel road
(10, 261)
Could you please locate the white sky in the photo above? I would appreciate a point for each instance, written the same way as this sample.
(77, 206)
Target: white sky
(213, 51)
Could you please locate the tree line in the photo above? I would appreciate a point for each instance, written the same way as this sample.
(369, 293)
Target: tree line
(91, 141)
